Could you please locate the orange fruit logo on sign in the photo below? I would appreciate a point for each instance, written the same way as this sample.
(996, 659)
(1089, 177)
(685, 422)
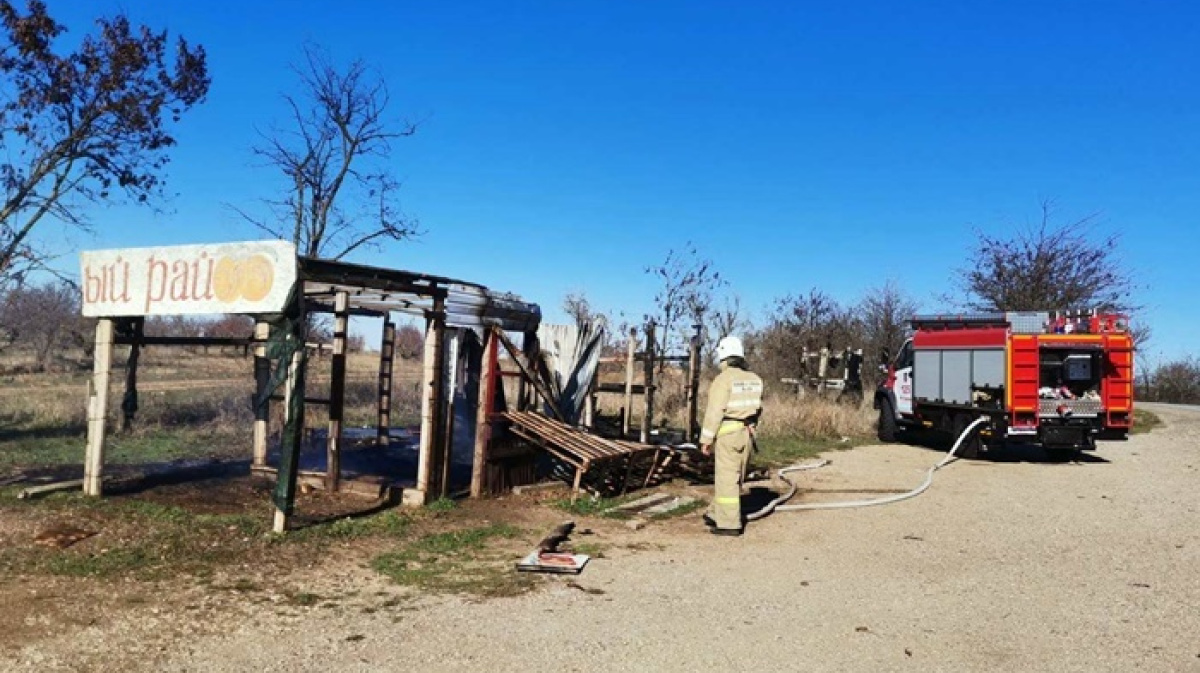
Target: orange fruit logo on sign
(248, 278)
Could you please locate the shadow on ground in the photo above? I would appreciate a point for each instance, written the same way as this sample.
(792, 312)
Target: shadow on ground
(1011, 452)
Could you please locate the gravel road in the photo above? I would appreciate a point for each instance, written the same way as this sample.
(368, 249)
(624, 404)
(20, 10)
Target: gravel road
(1009, 563)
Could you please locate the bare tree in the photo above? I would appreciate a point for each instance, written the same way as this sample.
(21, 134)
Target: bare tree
(174, 325)
(46, 319)
(8, 331)
(883, 314)
(230, 326)
(1141, 334)
(688, 284)
(84, 126)
(800, 322)
(1046, 267)
(1177, 382)
(410, 342)
(579, 308)
(725, 318)
(339, 193)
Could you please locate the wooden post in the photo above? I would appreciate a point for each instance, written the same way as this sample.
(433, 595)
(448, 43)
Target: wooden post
(262, 379)
(129, 402)
(693, 391)
(805, 372)
(648, 369)
(536, 385)
(387, 356)
(293, 386)
(93, 464)
(589, 407)
(533, 353)
(337, 391)
(578, 481)
(522, 389)
(447, 445)
(822, 370)
(431, 402)
(292, 441)
(629, 357)
(488, 380)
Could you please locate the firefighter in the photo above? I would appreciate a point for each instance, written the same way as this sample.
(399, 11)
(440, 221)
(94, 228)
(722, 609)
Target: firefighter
(734, 405)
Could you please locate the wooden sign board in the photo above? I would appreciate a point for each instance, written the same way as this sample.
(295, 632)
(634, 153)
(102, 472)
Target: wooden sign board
(246, 277)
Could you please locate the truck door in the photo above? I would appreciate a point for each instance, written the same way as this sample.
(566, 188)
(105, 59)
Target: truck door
(904, 379)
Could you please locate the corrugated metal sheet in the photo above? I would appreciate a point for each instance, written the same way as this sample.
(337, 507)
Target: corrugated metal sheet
(389, 290)
(572, 356)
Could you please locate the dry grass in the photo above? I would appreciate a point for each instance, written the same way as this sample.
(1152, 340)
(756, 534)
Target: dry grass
(190, 405)
(792, 428)
(785, 415)
(815, 418)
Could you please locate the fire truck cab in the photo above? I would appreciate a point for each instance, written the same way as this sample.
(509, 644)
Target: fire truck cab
(1058, 379)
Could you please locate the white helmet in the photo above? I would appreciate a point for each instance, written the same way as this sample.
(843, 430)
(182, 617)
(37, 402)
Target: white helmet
(730, 347)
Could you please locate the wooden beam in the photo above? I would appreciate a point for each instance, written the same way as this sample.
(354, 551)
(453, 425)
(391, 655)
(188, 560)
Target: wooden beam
(648, 372)
(127, 340)
(337, 392)
(632, 350)
(129, 401)
(319, 401)
(693, 391)
(447, 445)
(666, 358)
(387, 356)
(620, 389)
(354, 310)
(262, 379)
(531, 348)
(93, 463)
(529, 375)
(292, 440)
(589, 407)
(431, 400)
(488, 381)
(292, 443)
(319, 272)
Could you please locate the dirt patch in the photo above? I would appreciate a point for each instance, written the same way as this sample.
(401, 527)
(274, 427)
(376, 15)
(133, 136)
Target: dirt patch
(194, 550)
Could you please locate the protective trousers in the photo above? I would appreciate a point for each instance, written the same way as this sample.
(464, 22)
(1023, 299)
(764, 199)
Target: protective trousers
(731, 455)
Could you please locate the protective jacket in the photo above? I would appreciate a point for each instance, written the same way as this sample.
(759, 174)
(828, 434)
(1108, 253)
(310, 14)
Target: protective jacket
(734, 401)
(734, 405)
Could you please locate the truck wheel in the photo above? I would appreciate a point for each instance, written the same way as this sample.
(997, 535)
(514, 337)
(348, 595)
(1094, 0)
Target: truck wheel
(973, 444)
(887, 422)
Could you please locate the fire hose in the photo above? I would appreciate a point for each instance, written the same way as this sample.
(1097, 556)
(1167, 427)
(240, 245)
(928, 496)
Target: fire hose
(777, 505)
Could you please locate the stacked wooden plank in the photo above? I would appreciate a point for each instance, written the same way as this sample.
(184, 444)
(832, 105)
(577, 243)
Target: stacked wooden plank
(581, 450)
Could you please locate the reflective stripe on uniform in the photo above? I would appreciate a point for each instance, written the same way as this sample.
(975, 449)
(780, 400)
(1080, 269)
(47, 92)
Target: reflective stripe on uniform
(728, 501)
(728, 427)
(744, 404)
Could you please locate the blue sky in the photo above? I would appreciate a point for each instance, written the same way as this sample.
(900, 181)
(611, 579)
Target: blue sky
(567, 145)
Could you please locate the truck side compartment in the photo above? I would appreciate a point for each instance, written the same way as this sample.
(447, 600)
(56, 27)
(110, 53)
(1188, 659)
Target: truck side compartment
(1061, 380)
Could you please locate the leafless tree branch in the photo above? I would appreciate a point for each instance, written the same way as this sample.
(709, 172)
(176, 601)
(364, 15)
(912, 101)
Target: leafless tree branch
(340, 196)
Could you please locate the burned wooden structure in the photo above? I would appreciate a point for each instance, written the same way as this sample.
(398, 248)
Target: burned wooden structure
(649, 359)
(466, 328)
(281, 291)
(613, 460)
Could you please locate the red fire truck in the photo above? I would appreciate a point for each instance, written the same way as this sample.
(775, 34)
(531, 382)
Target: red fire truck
(1059, 379)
